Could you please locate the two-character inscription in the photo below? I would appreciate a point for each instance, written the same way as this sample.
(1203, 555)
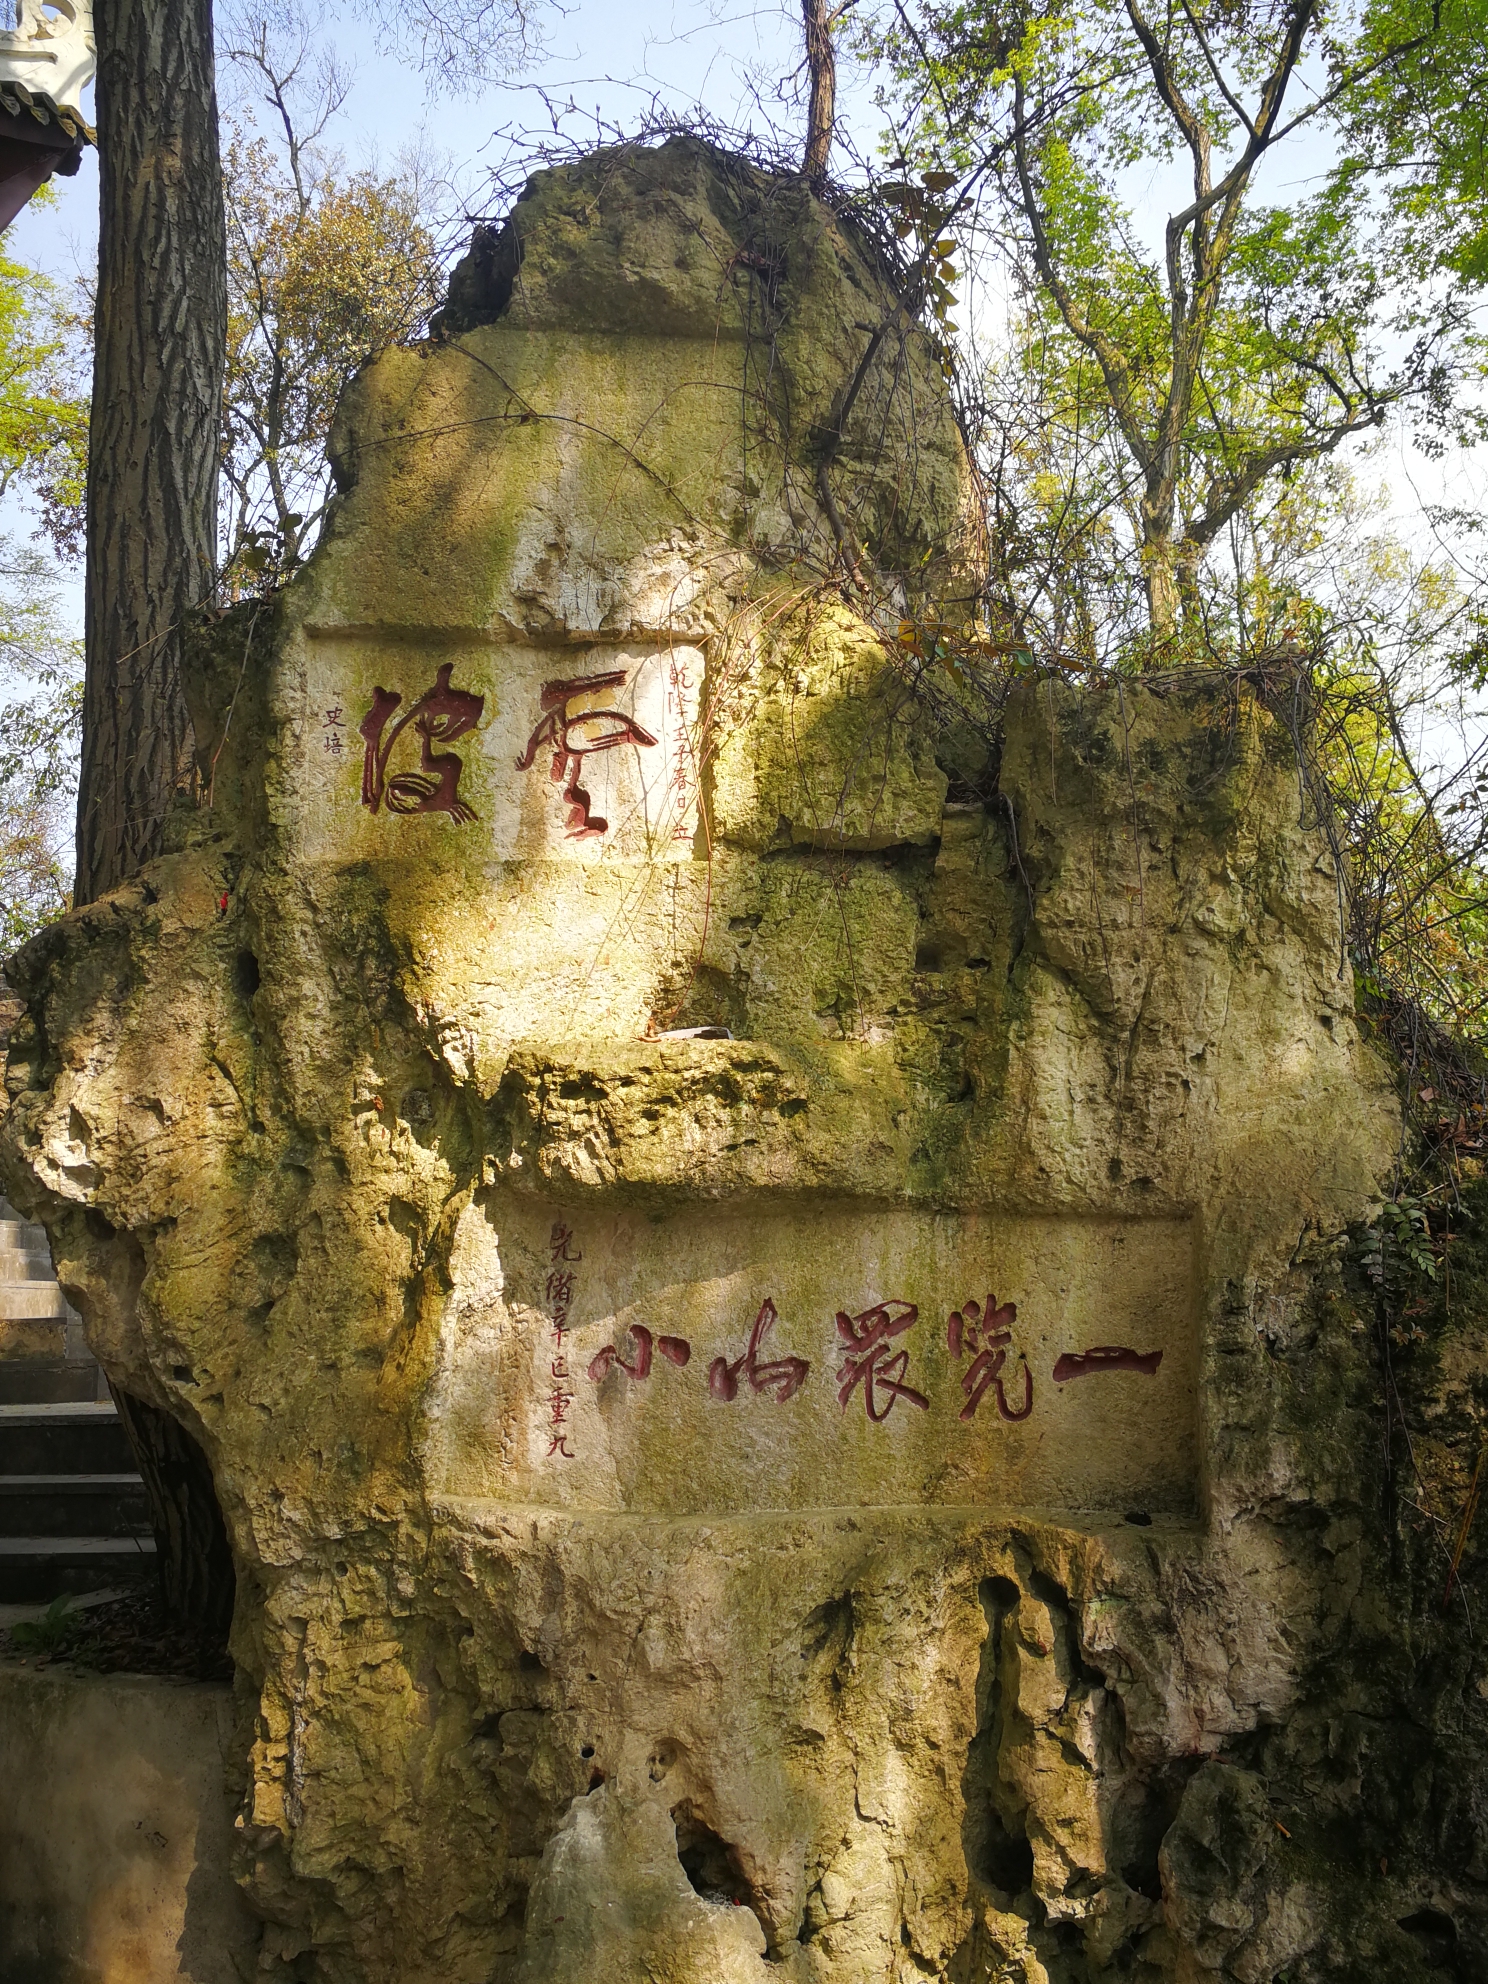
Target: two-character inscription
(407, 767)
(500, 751)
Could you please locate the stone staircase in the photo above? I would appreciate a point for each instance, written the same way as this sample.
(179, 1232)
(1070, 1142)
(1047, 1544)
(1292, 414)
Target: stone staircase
(73, 1511)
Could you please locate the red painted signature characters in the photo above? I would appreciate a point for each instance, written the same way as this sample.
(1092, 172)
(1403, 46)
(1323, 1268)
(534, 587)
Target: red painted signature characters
(676, 1349)
(439, 716)
(869, 1362)
(781, 1377)
(986, 1331)
(1104, 1359)
(575, 726)
(563, 1256)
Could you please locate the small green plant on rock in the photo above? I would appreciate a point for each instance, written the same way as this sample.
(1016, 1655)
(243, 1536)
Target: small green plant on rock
(49, 1633)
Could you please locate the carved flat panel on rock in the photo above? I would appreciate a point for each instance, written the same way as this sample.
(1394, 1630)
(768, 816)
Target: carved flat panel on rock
(484, 753)
(830, 1355)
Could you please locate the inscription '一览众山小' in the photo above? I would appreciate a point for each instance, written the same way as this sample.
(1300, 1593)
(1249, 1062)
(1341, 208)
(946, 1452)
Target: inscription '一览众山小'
(869, 1362)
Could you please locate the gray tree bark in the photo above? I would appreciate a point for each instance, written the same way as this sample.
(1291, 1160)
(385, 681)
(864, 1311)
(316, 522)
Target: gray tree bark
(160, 350)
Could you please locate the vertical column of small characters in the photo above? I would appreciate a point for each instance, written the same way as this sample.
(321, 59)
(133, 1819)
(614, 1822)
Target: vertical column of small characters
(682, 781)
(563, 1256)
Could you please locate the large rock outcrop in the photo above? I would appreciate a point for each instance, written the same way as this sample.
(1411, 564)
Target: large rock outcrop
(885, 1486)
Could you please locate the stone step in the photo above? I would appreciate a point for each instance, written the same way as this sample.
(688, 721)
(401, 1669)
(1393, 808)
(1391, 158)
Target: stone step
(24, 1265)
(46, 1381)
(34, 1568)
(63, 1439)
(73, 1505)
(21, 1236)
(32, 1301)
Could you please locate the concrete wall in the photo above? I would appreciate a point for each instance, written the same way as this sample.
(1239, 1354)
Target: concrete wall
(116, 1828)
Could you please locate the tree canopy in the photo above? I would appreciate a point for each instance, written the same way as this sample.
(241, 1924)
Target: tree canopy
(1204, 322)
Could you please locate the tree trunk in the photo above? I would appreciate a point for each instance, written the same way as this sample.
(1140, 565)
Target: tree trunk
(159, 355)
(1160, 554)
(160, 349)
(194, 1558)
(821, 112)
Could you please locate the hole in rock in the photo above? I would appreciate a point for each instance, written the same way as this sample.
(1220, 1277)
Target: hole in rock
(994, 1832)
(961, 792)
(1138, 1517)
(246, 975)
(708, 1861)
(927, 957)
(1435, 1932)
(1007, 1857)
(1142, 1814)
(829, 1625)
(489, 1726)
(586, 1750)
(530, 1663)
(181, 1373)
(596, 1779)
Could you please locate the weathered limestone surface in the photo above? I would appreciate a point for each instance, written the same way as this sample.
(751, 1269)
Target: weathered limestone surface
(576, 1640)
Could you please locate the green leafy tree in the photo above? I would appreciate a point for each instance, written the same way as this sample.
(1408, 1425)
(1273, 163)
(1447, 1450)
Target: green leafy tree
(1211, 250)
(41, 689)
(325, 267)
(1202, 336)
(43, 443)
(43, 398)
(1417, 129)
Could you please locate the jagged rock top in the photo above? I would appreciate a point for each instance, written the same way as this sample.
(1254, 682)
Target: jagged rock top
(680, 239)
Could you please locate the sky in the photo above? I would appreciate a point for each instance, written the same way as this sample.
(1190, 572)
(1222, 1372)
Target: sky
(611, 62)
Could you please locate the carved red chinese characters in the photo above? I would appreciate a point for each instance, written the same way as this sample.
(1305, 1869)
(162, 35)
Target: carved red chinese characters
(986, 1332)
(440, 715)
(1103, 1358)
(782, 1376)
(573, 734)
(560, 1288)
(870, 1363)
(676, 1349)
